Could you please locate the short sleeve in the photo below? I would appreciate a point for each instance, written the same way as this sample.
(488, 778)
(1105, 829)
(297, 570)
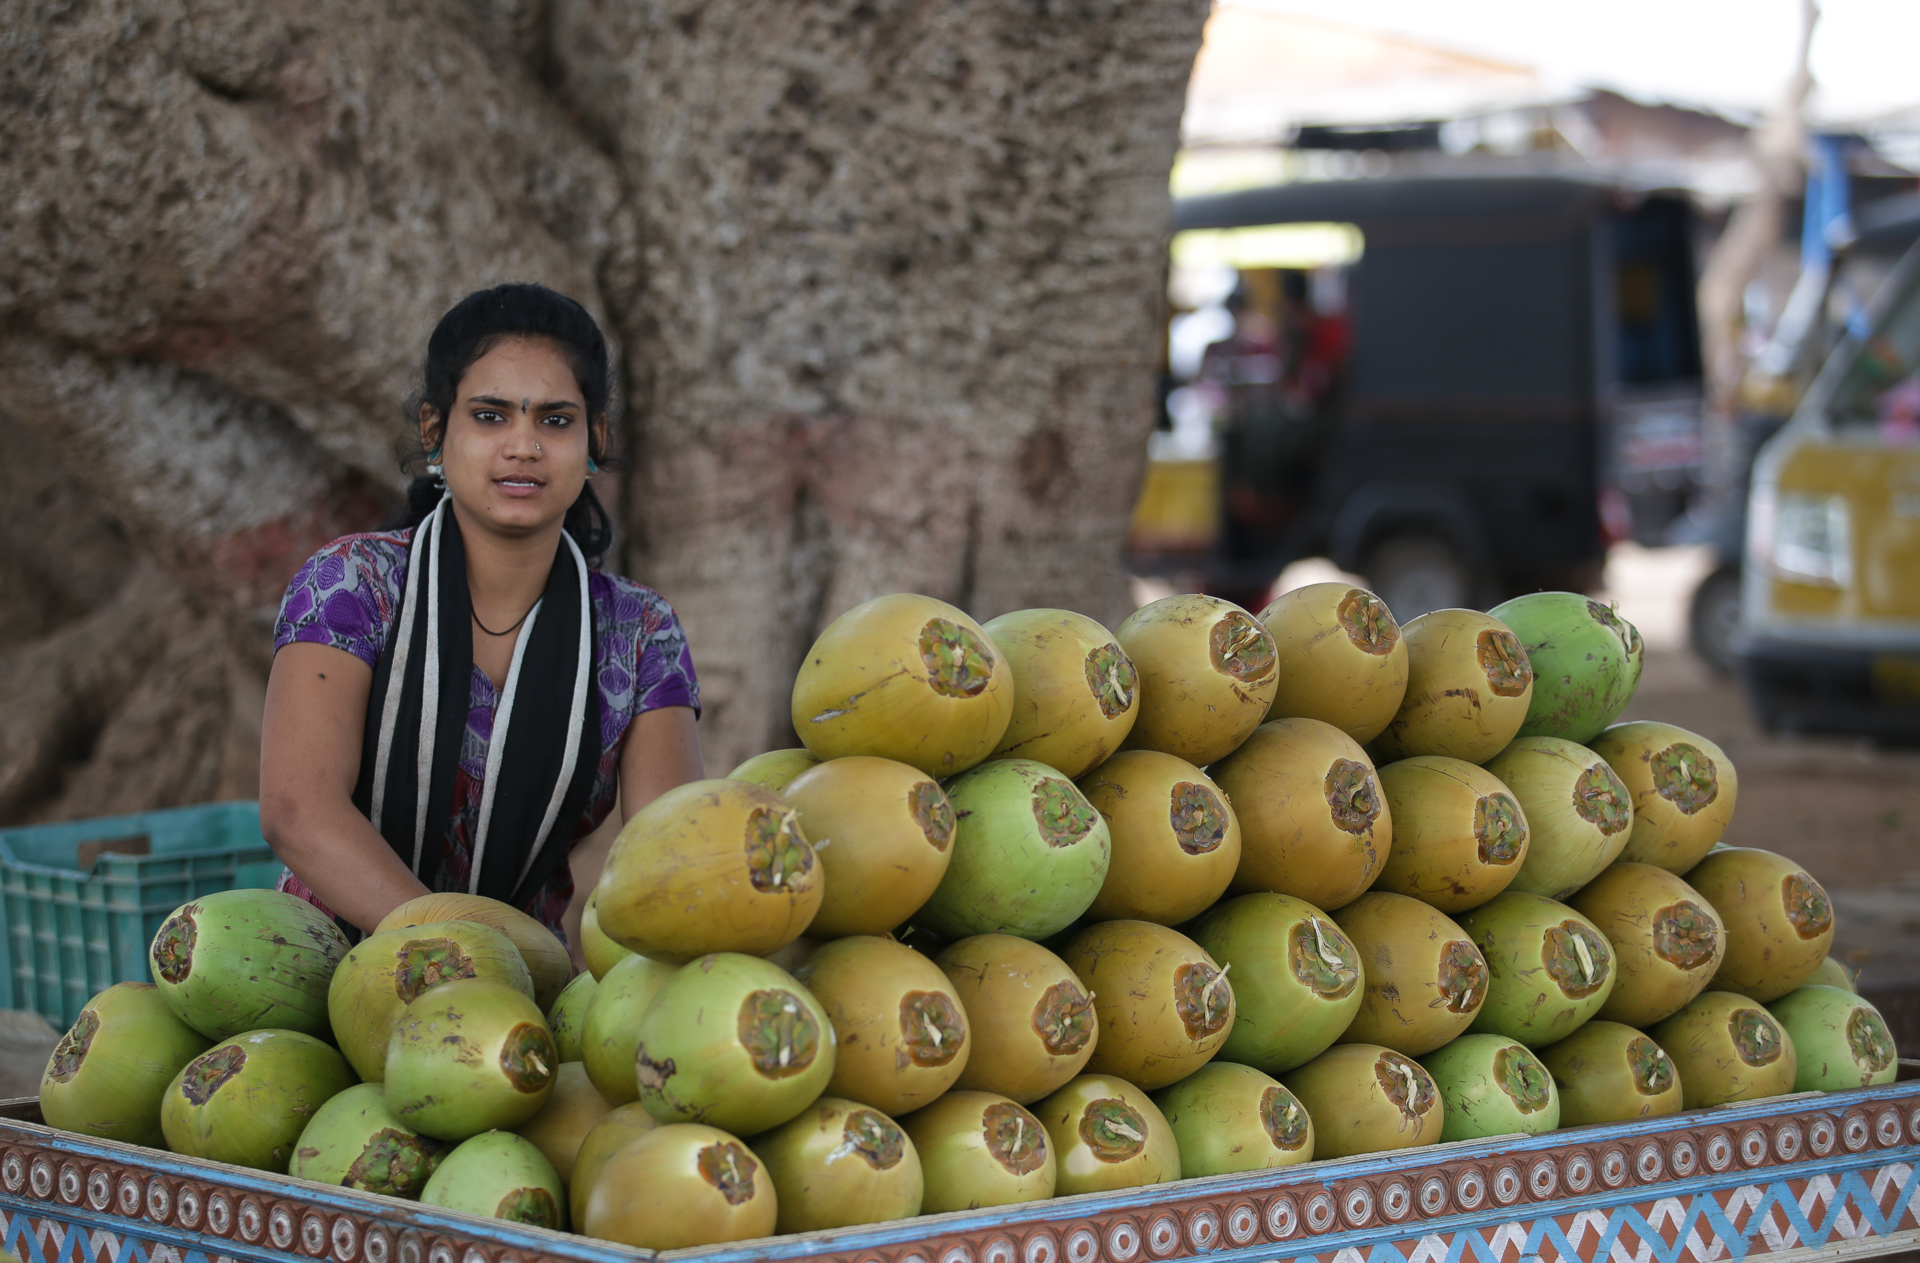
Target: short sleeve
(345, 596)
(646, 663)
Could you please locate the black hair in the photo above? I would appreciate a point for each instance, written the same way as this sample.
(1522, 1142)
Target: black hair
(474, 326)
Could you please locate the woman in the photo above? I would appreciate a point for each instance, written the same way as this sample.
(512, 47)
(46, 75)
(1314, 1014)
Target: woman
(458, 704)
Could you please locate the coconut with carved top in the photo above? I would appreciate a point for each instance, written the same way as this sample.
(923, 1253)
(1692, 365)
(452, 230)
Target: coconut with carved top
(776, 769)
(1586, 662)
(1683, 789)
(1176, 843)
(1106, 1134)
(680, 1186)
(247, 1099)
(1363, 1098)
(1032, 1024)
(623, 1125)
(501, 1176)
(1424, 979)
(838, 1165)
(387, 971)
(611, 1026)
(1727, 1047)
(1207, 676)
(1609, 1073)
(545, 955)
(1164, 1006)
(1492, 1086)
(1297, 980)
(883, 834)
(1076, 694)
(1549, 968)
(1839, 1039)
(354, 1141)
(1340, 658)
(901, 1030)
(245, 960)
(978, 1149)
(1459, 836)
(1578, 811)
(1667, 940)
(108, 1073)
(1228, 1117)
(1468, 687)
(1778, 920)
(467, 1057)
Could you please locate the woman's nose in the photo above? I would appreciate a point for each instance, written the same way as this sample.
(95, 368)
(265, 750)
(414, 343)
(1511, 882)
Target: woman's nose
(523, 440)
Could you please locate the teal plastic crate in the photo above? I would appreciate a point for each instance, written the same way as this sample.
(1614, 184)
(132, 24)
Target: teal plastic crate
(72, 931)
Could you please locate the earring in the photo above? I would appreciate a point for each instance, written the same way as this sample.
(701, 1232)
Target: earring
(433, 463)
(593, 466)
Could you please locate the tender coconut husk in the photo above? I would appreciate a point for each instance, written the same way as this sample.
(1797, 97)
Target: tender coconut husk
(680, 1186)
(1727, 1048)
(355, 1141)
(1230, 1118)
(838, 1165)
(883, 832)
(776, 768)
(710, 866)
(1031, 1024)
(546, 956)
(1164, 1005)
(904, 677)
(1468, 686)
(1106, 1134)
(1579, 813)
(1207, 676)
(1492, 1086)
(1609, 1073)
(1839, 1040)
(1424, 978)
(1667, 940)
(1075, 692)
(1313, 823)
(625, 1124)
(901, 1028)
(610, 1030)
(1459, 837)
(575, 1108)
(1778, 920)
(468, 1057)
(1832, 973)
(1550, 969)
(390, 969)
(1176, 843)
(1363, 1098)
(1296, 978)
(1586, 662)
(108, 1073)
(245, 960)
(601, 953)
(568, 1016)
(247, 1099)
(1340, 658)
(1683, 789)
(977, 1149)
(1029, 856)
(502, 1176)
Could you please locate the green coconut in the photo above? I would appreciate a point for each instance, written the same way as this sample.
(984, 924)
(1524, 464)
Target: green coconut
(1313, 822)
(1578, 812)
(1839, 1040)
(1423, 980)
(1296, 978)
(1340, 658)
(245, 960)
(611, 1028)
(1832, 973)
(1032, 1025)
(621, 1127)
(108, 1073)
(1164, 1006)
(897, 1022)
(1727, 1048)
(978, 1149)
(386, 972)
(1778, 920)
(246, 1100)
(1207, 676)
(501, 1176)
(1683, 789)
(775, 769)
(681, 1186)
(1492, 1086)
(1230, 1118)
(1667, 940)
(1468, 688)
(1459, 837)
(1609, 1073)
(574, 1109)
(1586, 662)
(355, 1141)
(1075, 691)
(904, 677)
(1363, 1098)
(600, 952)
(734, 1041)
(1176, 843)
(1106, 1134)
(546, 957)
(884, 833)
(468, 1057)
(568, 1016)
(1029, 856)
(1549, 969)
(840, 1164)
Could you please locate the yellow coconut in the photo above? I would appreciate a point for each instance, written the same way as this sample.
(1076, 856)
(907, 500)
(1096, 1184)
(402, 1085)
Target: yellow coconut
(1164, 1005)
(1033, 1027)
(883, 832)
(838, 1165)
(901, 1028)
(1832, 973)
(574, 1109)
(1683, 789)
(904, 677)
(977, 1149)
(1313, 823)
(1778, 920)
(775, 769)
(1176, 844)
(1727, 1048)
(1609, 1073)
(546, 956)
(1341, 658)
(1667, 940)
(390, 969)
(601, 952)
(1468, 688)
(1075, 691)
(1363, 1098)
(1423, 979)
(712, 866)
(1207, 676)
(681, 1185)
(1578, 811)
(1459, 838)
(625, 1124)
(1107, 1134)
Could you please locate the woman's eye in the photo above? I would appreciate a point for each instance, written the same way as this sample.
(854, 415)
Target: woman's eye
(488, 416)
(559, 421)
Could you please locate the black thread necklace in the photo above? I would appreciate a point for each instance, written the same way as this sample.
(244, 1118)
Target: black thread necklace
(509, 631)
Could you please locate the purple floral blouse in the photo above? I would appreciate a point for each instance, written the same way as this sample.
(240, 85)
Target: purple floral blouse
(347, 595)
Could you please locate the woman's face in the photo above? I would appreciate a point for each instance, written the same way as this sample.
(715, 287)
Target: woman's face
(514, 449)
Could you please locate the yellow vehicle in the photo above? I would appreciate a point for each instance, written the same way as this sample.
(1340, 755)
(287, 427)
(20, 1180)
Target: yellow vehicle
(1830, 603)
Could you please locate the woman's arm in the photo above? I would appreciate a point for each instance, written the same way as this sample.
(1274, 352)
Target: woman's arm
(310, 743)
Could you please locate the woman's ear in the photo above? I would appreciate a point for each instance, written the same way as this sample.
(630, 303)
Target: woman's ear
(432, 428)
(600, 434)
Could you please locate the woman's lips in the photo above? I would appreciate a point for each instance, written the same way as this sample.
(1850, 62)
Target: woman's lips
(519, 488)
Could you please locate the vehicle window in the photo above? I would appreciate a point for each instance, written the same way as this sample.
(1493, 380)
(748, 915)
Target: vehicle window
(1880, 393)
